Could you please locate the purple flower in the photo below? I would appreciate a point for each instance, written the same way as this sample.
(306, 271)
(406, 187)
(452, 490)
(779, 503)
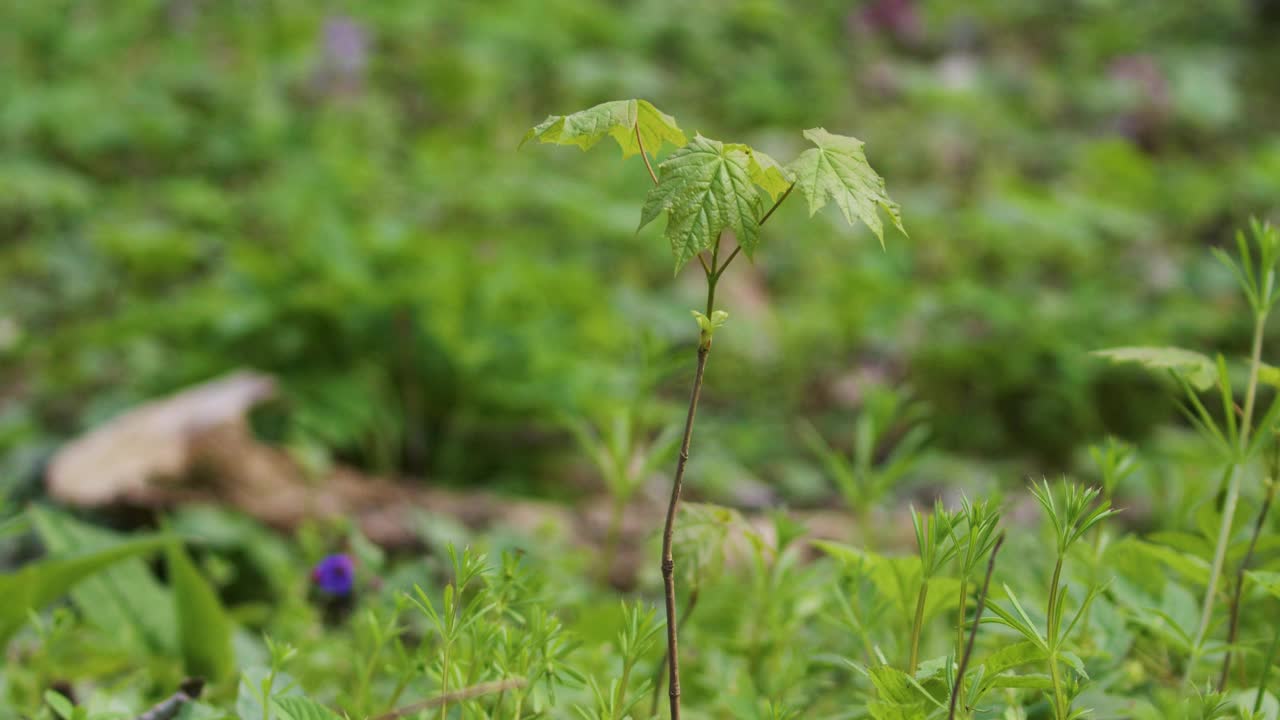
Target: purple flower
(335, 575)
(346, 46)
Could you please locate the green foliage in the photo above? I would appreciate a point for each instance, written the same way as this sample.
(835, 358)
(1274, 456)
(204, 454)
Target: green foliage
(706, 188)
(979, 521)
(1200, 371)
(204, 630)
(243, 198)
(889, 436)
(294, 707)
(1256, 276)
(126, 599)
(37, 584)
(837, 170)
(622, 120)
(935, 538)
(188, 187)
(1075, 512)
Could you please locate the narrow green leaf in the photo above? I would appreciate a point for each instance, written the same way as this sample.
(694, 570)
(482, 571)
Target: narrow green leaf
(40, 583)
(204, 628)
(837, 169)
(706, 188)
(619, 119)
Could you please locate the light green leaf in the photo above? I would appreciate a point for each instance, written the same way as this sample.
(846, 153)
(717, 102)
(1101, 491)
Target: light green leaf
(708, 325)
(997, 666)
(943, 592)
(848, 555)
(618, 119)
(1012, 656)
(1195, 569)
(766, 172)
(896, 579)
(898, 698)
(1075, 663)
(40, 583)
(1198, 369)
(837, 169)
(1033, 681)
(59, 704)
(706, 187)
(1269, 374)
(254, 688)
(1268, 581)
(298, 707)
(204, 628)
(126, 599)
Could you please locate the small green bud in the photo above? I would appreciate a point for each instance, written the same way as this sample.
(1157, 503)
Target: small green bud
(708, 325)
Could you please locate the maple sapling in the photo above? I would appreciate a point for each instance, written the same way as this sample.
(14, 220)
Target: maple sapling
(707, 188)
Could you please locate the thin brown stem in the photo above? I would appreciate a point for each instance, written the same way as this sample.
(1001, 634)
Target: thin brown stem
(459, 695)
(1238, 595)
(689, 604)
(668, 532)
(720, 270)
(640, 142)
(973, 635)
(705, 267)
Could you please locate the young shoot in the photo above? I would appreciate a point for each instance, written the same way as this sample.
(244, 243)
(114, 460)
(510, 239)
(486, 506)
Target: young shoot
(1071, 515)
(936, 544)
(978, 522)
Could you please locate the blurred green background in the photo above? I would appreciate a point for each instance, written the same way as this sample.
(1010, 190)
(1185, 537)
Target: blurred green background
(331, 192)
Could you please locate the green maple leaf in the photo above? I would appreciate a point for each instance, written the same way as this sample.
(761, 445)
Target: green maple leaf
(837, 169)
(618, 119)
(707, 188)
(766, 172)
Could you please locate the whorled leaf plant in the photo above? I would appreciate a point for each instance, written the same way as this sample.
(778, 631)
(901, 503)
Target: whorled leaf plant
(707, 188)
(1241, 431)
